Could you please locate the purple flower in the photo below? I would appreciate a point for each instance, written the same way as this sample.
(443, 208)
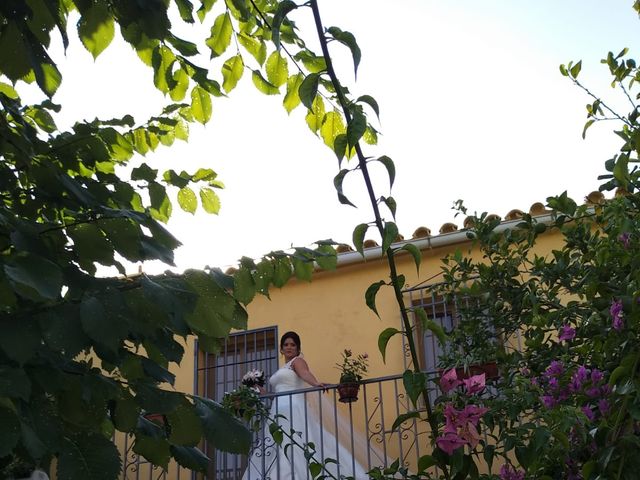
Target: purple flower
(588, 412)
(603, 406)
(548, 401)
(554, 369)
(596, 376)
(567, 333)
(578, 378)
(593, 392)
(625, 239)
(553, 383)
(616, 315)
(507, 472)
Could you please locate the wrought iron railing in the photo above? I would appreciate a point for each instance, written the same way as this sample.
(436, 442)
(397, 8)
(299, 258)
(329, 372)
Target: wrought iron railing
(363, 429)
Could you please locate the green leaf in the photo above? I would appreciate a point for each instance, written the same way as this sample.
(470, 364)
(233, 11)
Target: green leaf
(415, 253)
(232, 71)
(156, 400)
(391, 168)
(308, 90)
(98, 326)
(389, 235)
(292, 99)
(263, 276)
(62, 331)
(370, 296)
(214, 310)
(303, 269)
(434, 327)
(327, 258)
(358, 237)
(340, 147)
(390, 202)
(277, 69)
(10, 428)
(315, 116)
(19, 338)
(414, 384)
(255, 46)
(88, 456)
(205, 8)
(356, 127)
(200, 104)
(33, 276)
(210, 200)
(283, 9)
(190, 457)
(220, 35)
(186, 428)
(332, 126)
(337, 183)
(154, 449)
(263, 85)
(403, 418)
(96, 28)
(126, 414)
(369, 100)
(586, 126)
(425, 462)
(588, 468)
(282, 272)
(185, 8)
(244, 288)
(347, 38)
(575, 70)
(223, 430)
(383, 340)
(187, 200)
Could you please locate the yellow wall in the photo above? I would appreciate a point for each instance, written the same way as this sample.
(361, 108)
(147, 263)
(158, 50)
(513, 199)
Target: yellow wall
(329, 313)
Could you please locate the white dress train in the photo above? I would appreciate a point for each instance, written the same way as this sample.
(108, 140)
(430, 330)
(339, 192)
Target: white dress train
(268, 460)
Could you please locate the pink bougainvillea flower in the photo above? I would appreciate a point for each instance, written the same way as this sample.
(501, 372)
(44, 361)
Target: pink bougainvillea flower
(472, 413)
(567, 333)
(450, 442)
(616, 315)
(475, 383)
(469, 433)
(449, 380)
(507, 472)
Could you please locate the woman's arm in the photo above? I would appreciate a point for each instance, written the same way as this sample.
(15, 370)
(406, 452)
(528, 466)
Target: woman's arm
(302, 370)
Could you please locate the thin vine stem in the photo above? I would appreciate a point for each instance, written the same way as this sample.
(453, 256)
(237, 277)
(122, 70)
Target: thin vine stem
(362, 162)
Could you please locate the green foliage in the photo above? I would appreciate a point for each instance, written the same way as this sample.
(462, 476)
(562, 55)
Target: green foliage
(72, 369)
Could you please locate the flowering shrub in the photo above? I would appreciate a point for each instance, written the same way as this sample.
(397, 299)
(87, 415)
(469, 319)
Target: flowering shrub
(564, 330)
(353, 368)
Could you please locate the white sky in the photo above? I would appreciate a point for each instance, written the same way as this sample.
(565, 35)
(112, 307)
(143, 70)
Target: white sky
(472, 106)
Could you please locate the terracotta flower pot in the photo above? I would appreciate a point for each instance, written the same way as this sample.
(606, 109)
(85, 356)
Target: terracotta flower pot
(490, 370)
(348, 392)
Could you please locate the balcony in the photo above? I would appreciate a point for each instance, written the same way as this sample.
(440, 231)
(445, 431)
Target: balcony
(363, 428)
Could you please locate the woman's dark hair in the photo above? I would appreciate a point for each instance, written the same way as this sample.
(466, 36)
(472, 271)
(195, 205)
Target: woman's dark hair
(293, 336)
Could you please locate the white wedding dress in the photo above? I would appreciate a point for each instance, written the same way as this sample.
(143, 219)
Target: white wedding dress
(268, 460)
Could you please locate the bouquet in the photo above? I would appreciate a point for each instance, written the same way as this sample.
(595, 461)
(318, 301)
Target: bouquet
(253, 379)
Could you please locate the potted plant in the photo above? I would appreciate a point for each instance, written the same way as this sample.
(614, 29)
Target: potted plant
(352, 369)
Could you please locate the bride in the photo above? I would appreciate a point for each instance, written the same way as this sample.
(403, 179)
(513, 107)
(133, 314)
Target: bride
(270, 461)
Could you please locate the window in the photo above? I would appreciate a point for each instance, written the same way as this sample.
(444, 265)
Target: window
(222, 372)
